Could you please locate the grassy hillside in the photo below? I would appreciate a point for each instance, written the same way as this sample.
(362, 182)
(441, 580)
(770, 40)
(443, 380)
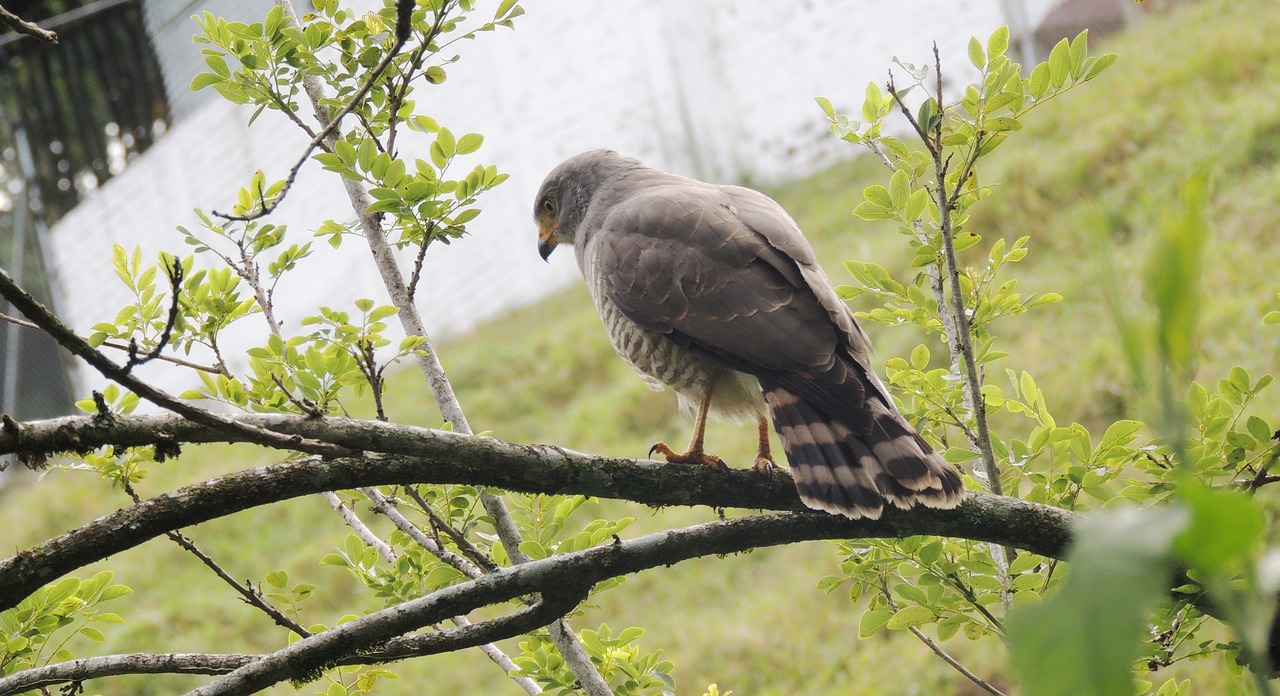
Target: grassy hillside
(1197, 87)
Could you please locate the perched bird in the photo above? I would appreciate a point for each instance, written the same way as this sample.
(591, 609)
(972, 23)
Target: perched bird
(713, 292)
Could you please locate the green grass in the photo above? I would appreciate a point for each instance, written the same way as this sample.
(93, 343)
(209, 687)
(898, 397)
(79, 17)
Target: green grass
(1200, 86)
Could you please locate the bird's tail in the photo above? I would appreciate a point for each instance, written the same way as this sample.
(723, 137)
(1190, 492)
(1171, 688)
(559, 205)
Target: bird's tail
(853, 471)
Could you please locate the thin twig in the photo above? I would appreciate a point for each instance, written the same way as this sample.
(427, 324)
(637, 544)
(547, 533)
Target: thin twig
(464, 544)
(120, 346)
(249, 594)
(22, 26)
(366, 535)
(938, 650)
(175, 273)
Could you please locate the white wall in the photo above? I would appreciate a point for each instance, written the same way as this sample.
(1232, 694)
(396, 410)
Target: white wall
(717, 89)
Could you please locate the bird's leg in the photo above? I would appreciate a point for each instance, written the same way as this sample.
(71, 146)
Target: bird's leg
(694, 455)
(764, 457)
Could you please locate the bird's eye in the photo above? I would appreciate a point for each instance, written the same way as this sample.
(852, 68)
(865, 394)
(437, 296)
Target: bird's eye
(549, 206)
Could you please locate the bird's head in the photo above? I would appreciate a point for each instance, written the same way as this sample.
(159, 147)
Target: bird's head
(566, 194)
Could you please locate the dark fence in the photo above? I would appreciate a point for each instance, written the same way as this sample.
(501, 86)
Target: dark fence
(72, 115)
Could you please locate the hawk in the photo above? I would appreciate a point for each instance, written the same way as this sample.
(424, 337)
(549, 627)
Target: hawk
(713, 292)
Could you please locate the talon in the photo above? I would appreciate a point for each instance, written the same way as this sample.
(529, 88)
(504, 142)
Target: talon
(765, 465)
(693, 456)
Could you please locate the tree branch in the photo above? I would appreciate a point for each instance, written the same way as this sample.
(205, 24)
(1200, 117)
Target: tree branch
(395, 649)
(570, 573)
(22, 26)
(65, 337)
(420, 455)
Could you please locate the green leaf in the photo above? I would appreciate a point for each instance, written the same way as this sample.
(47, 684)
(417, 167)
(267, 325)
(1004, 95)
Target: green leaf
(998, 43)
(1101, 63)
(1060, 63)
(1038, 83)
(899, 189)
(469, 143)
(916, 204)
(955, 455)
(906, 617)
(871, 106)
(873, 620)
(278, 579)
(1079, 49)
(1085, 639)
(203, 80)
(1024, 562)
(1120, 433)
(1259, 428)
(1225, 527)
(976, 55)
(92, 634)
(997, 125)
(825, 105)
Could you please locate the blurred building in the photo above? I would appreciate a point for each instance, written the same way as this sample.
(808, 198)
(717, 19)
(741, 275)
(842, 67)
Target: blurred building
(102, 142)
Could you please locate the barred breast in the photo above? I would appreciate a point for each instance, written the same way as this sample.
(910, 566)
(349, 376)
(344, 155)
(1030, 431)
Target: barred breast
(661, 363)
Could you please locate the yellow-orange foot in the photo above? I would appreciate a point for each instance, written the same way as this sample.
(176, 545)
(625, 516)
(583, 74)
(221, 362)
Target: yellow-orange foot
(765, 464)
(693, 456)
(764, 456)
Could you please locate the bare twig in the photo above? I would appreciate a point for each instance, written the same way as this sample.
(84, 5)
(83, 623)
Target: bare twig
(22, 26)
(464, 544)
(938, 649)
(115, 345)
(175, 273)
(248, 593)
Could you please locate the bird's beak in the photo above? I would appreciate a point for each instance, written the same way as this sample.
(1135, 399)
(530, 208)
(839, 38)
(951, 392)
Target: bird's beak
(546, 243)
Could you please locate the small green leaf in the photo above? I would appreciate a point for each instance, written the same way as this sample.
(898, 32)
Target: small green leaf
(976, 55)
(916, 204)
(203, 80)
(998, 43)
(825, 105)
(906, 617)
(1079, 49)
(1225, 526)
(469, 143)
(1059, 63)
(1038, 83)
(873, 620)
(1102, 63)
(899, 189)
(92, 634)
(1001, 124)
(955, 455)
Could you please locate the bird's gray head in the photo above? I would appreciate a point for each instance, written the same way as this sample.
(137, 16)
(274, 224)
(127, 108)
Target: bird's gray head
(566, 195)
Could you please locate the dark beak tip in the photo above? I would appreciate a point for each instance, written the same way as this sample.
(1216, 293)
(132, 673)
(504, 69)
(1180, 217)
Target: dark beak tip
(545, 248)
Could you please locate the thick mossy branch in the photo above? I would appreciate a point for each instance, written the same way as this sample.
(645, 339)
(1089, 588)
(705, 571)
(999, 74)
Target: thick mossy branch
(409, 455)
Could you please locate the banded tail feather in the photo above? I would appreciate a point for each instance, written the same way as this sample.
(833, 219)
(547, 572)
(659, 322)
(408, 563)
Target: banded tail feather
(849, 470)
